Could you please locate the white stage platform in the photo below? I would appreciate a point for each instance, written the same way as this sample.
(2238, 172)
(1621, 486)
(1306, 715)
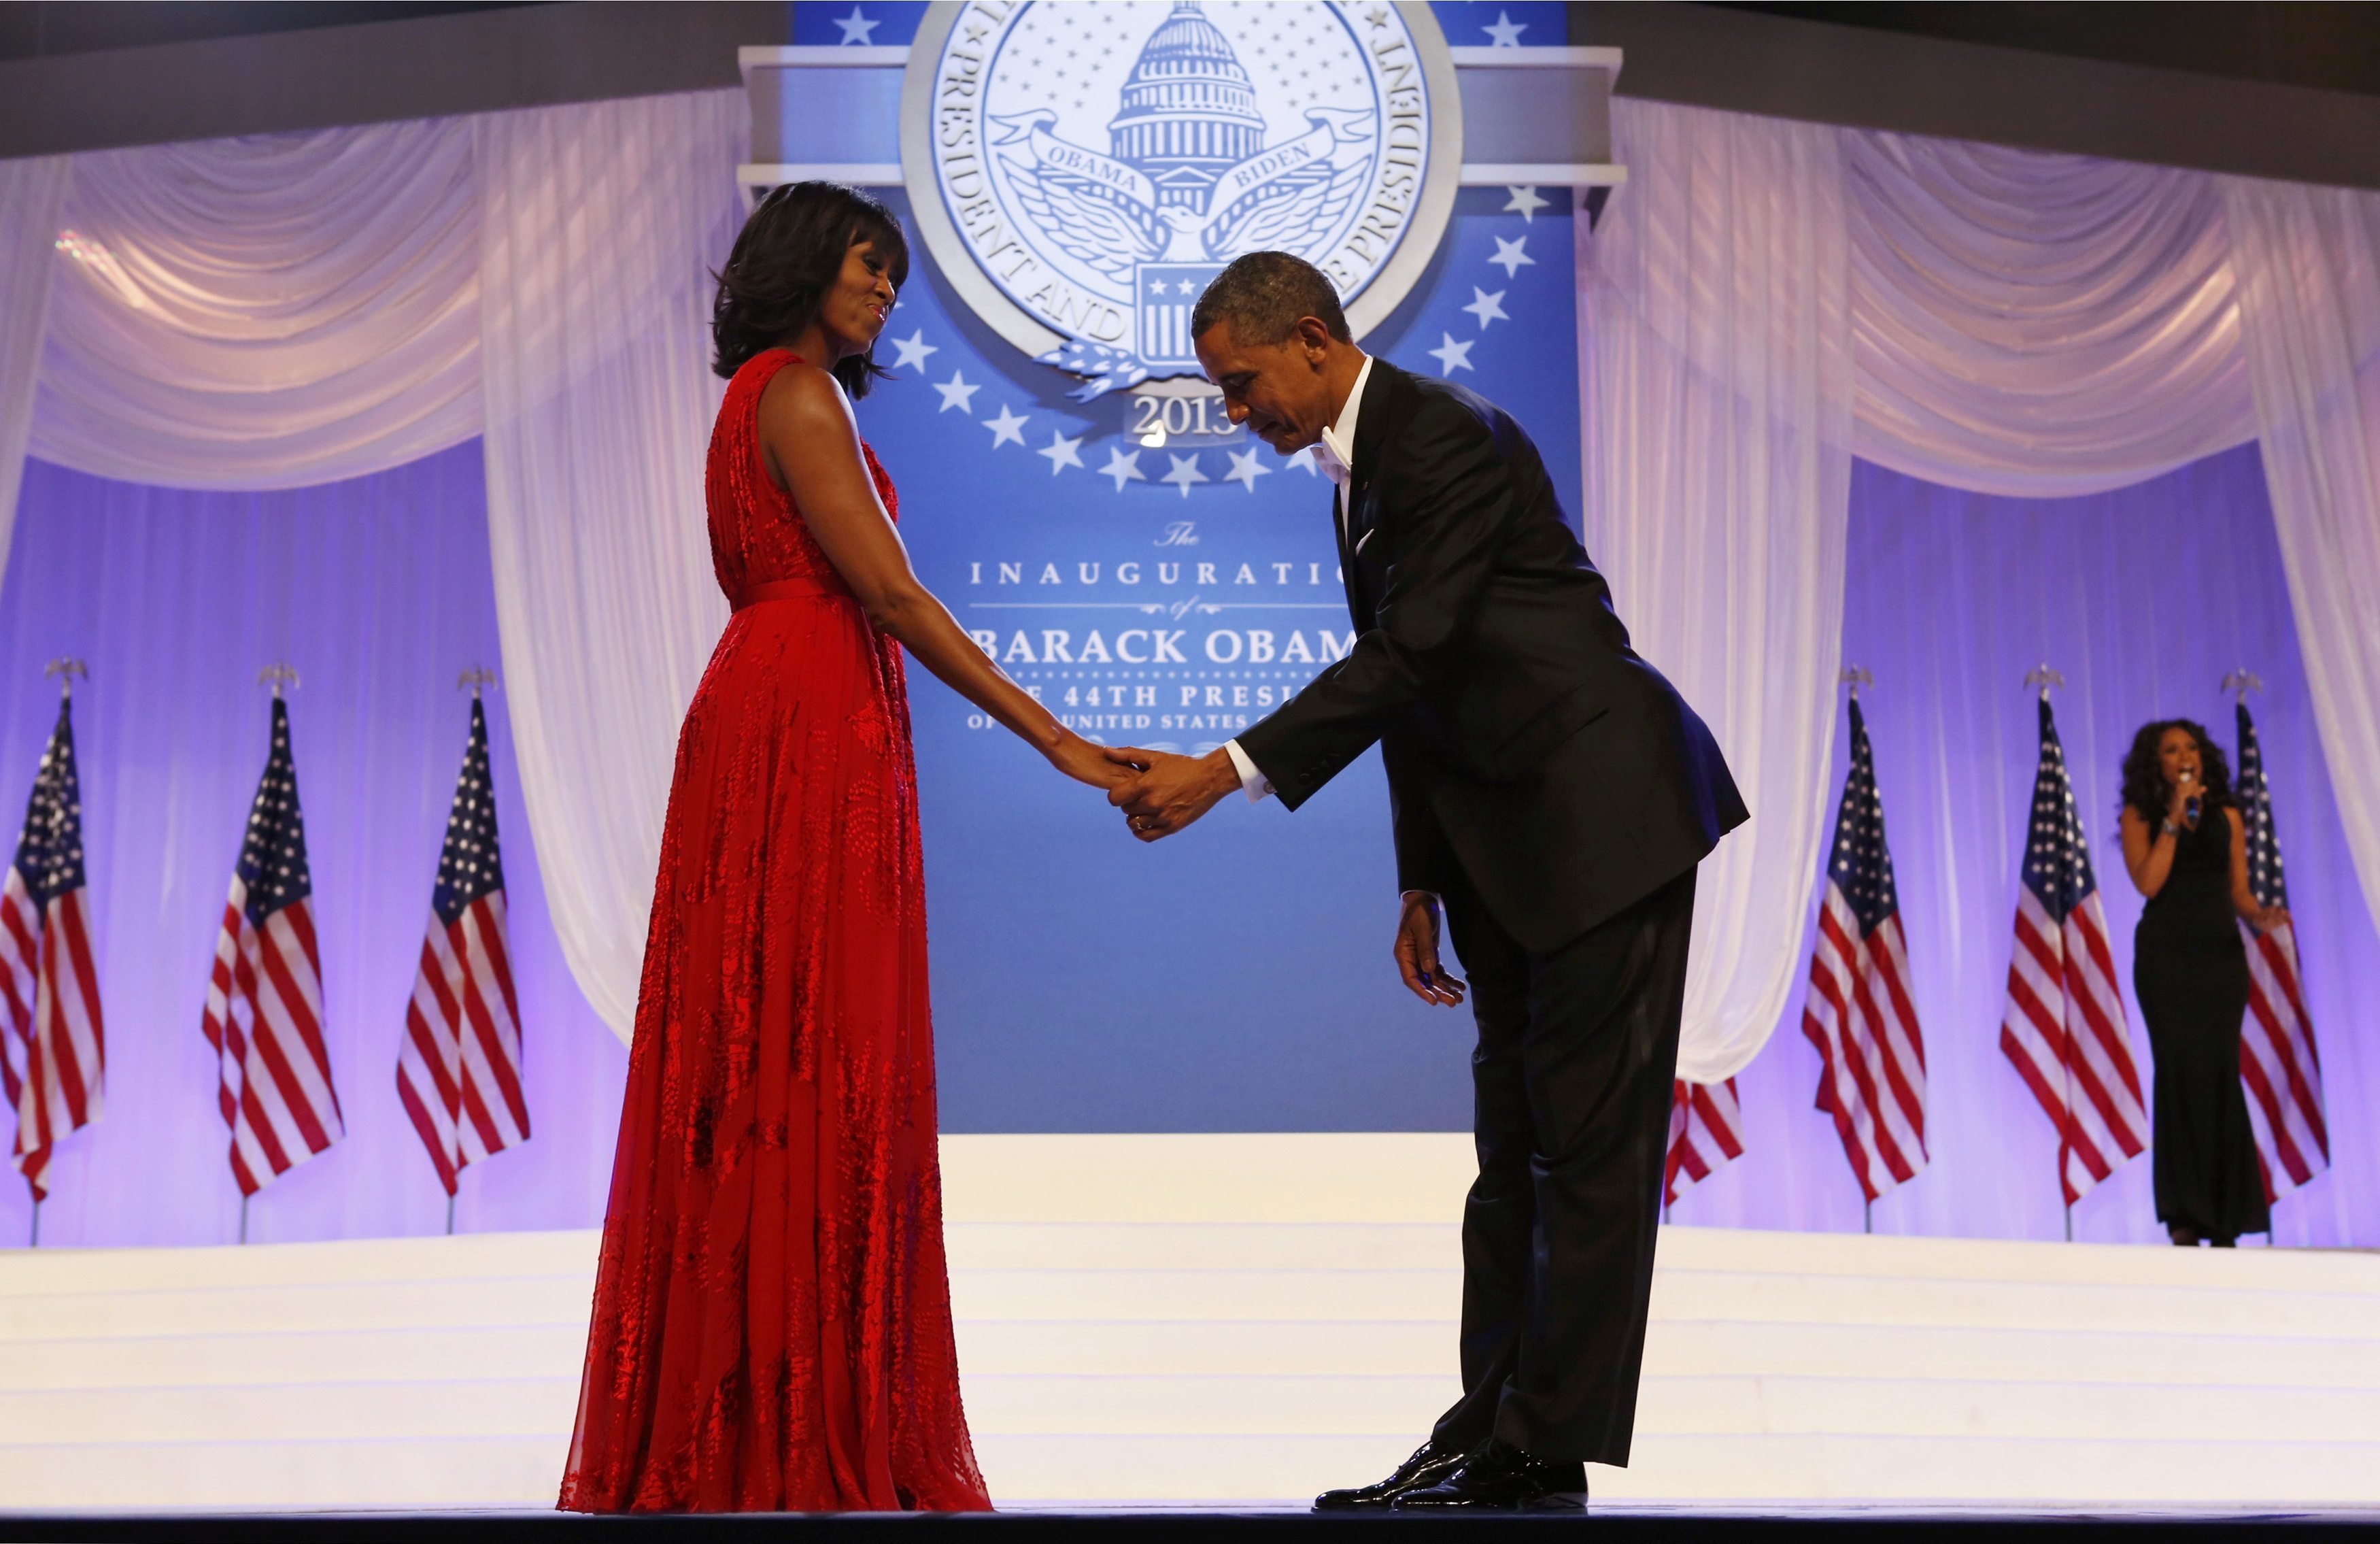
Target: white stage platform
(1202, 1319)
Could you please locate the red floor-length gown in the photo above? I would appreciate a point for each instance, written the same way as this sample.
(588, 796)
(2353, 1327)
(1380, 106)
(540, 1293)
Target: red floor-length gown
(772, 1320)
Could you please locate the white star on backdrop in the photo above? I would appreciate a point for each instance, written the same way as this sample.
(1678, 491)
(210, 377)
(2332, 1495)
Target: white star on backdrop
(1305, 459)
(1513, 256)
(1185, 472)
(857, 26)
(1124, 467)
(1451, 355)
(957, 394)
(1486, 307)
(1245, 469)
(1061, 452)
(1526, 201)
(1504, 32)
(913, 350)
(1006, 426)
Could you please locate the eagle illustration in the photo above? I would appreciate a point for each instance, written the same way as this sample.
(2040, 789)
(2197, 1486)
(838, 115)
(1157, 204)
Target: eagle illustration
(1108, 216)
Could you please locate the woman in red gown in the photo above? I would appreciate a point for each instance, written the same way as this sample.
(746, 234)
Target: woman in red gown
(772, 1325)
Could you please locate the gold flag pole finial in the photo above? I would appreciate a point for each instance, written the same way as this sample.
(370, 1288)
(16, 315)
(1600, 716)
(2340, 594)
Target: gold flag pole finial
(65, 669)
(1855, 677)
(2045, 678)
(2242, 681)
(477, 677)
(278, 673)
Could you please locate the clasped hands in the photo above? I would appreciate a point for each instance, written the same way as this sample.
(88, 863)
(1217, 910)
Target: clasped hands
(1161, 793)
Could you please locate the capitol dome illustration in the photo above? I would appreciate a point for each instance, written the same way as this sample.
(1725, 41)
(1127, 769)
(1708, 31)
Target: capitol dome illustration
(1189, 110)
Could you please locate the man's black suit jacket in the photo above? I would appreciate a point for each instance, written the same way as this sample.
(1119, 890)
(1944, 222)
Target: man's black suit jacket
(1528, 749)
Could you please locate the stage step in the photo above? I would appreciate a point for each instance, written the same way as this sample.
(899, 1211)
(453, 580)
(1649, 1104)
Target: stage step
(1232, 1319)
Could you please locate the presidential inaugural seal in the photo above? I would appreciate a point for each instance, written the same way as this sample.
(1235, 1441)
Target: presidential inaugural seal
(1080, 172)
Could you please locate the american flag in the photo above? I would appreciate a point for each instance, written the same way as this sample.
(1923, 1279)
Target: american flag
(264, 1000)
(1705, 1131)
(55, 1062)
(1858, 1012)
(2064, 1024)
(2278, 1061)
(458, 1070)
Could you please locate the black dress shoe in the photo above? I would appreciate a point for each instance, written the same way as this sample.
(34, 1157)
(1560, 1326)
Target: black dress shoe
(1500, 1477)
(1428, 1464)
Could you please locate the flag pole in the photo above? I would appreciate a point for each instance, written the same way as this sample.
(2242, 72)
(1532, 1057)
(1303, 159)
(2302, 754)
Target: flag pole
(276, 673)
(1854, 677)
(65, 669)
(2043, 676)
(478, 678)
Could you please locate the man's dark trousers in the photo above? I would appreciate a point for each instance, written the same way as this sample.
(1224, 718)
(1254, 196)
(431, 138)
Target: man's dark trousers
(1577, 1050)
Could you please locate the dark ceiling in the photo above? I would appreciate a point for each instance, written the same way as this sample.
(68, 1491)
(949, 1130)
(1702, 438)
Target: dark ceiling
(2333, 47)
(32, 29)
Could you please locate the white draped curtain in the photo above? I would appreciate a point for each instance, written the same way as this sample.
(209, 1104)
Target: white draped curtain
(267, 312)
(2038, 325)
(1716, 376)
(31, 193)
(2308, 261)
(2014, 323)
(285, 311)
(598, 230)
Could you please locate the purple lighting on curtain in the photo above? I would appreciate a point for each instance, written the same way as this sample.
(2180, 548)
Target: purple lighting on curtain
(378, 591)
(2145, 597)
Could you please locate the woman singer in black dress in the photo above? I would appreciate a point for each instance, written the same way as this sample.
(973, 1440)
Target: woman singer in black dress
(2187, 848)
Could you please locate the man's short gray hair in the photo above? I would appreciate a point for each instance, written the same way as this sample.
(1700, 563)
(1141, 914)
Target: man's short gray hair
(1265, 295)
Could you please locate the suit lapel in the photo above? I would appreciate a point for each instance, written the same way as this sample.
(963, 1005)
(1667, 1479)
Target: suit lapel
(1371, 442)
(1339, 534)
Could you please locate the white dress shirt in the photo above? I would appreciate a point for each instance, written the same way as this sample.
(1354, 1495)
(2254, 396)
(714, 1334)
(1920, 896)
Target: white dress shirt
(1335, 453)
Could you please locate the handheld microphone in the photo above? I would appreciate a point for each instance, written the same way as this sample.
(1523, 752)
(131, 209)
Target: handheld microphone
(2189, 805)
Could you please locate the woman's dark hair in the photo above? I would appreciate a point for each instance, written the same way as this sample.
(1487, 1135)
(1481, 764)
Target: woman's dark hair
(788, 256)
(2144, 790)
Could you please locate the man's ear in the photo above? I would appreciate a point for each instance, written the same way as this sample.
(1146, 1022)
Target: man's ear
(1314, 334)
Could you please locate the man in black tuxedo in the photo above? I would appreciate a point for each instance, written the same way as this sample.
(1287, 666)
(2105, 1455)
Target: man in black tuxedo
(1555, 793)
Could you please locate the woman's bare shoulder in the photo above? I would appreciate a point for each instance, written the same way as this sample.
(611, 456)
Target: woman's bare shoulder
(800, 389)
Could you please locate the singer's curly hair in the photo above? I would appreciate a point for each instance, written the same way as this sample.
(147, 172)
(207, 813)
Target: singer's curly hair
(788, 256)
(2145, 788)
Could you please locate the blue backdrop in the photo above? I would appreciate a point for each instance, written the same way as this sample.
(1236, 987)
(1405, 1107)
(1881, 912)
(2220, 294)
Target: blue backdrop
(1235, 978)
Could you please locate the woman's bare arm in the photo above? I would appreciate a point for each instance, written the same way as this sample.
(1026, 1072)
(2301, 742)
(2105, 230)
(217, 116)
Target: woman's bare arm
(811, 443)
(2148, 855)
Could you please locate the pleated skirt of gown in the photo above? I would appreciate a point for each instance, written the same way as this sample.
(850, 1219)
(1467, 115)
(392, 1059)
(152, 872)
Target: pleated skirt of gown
(772, 1328)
